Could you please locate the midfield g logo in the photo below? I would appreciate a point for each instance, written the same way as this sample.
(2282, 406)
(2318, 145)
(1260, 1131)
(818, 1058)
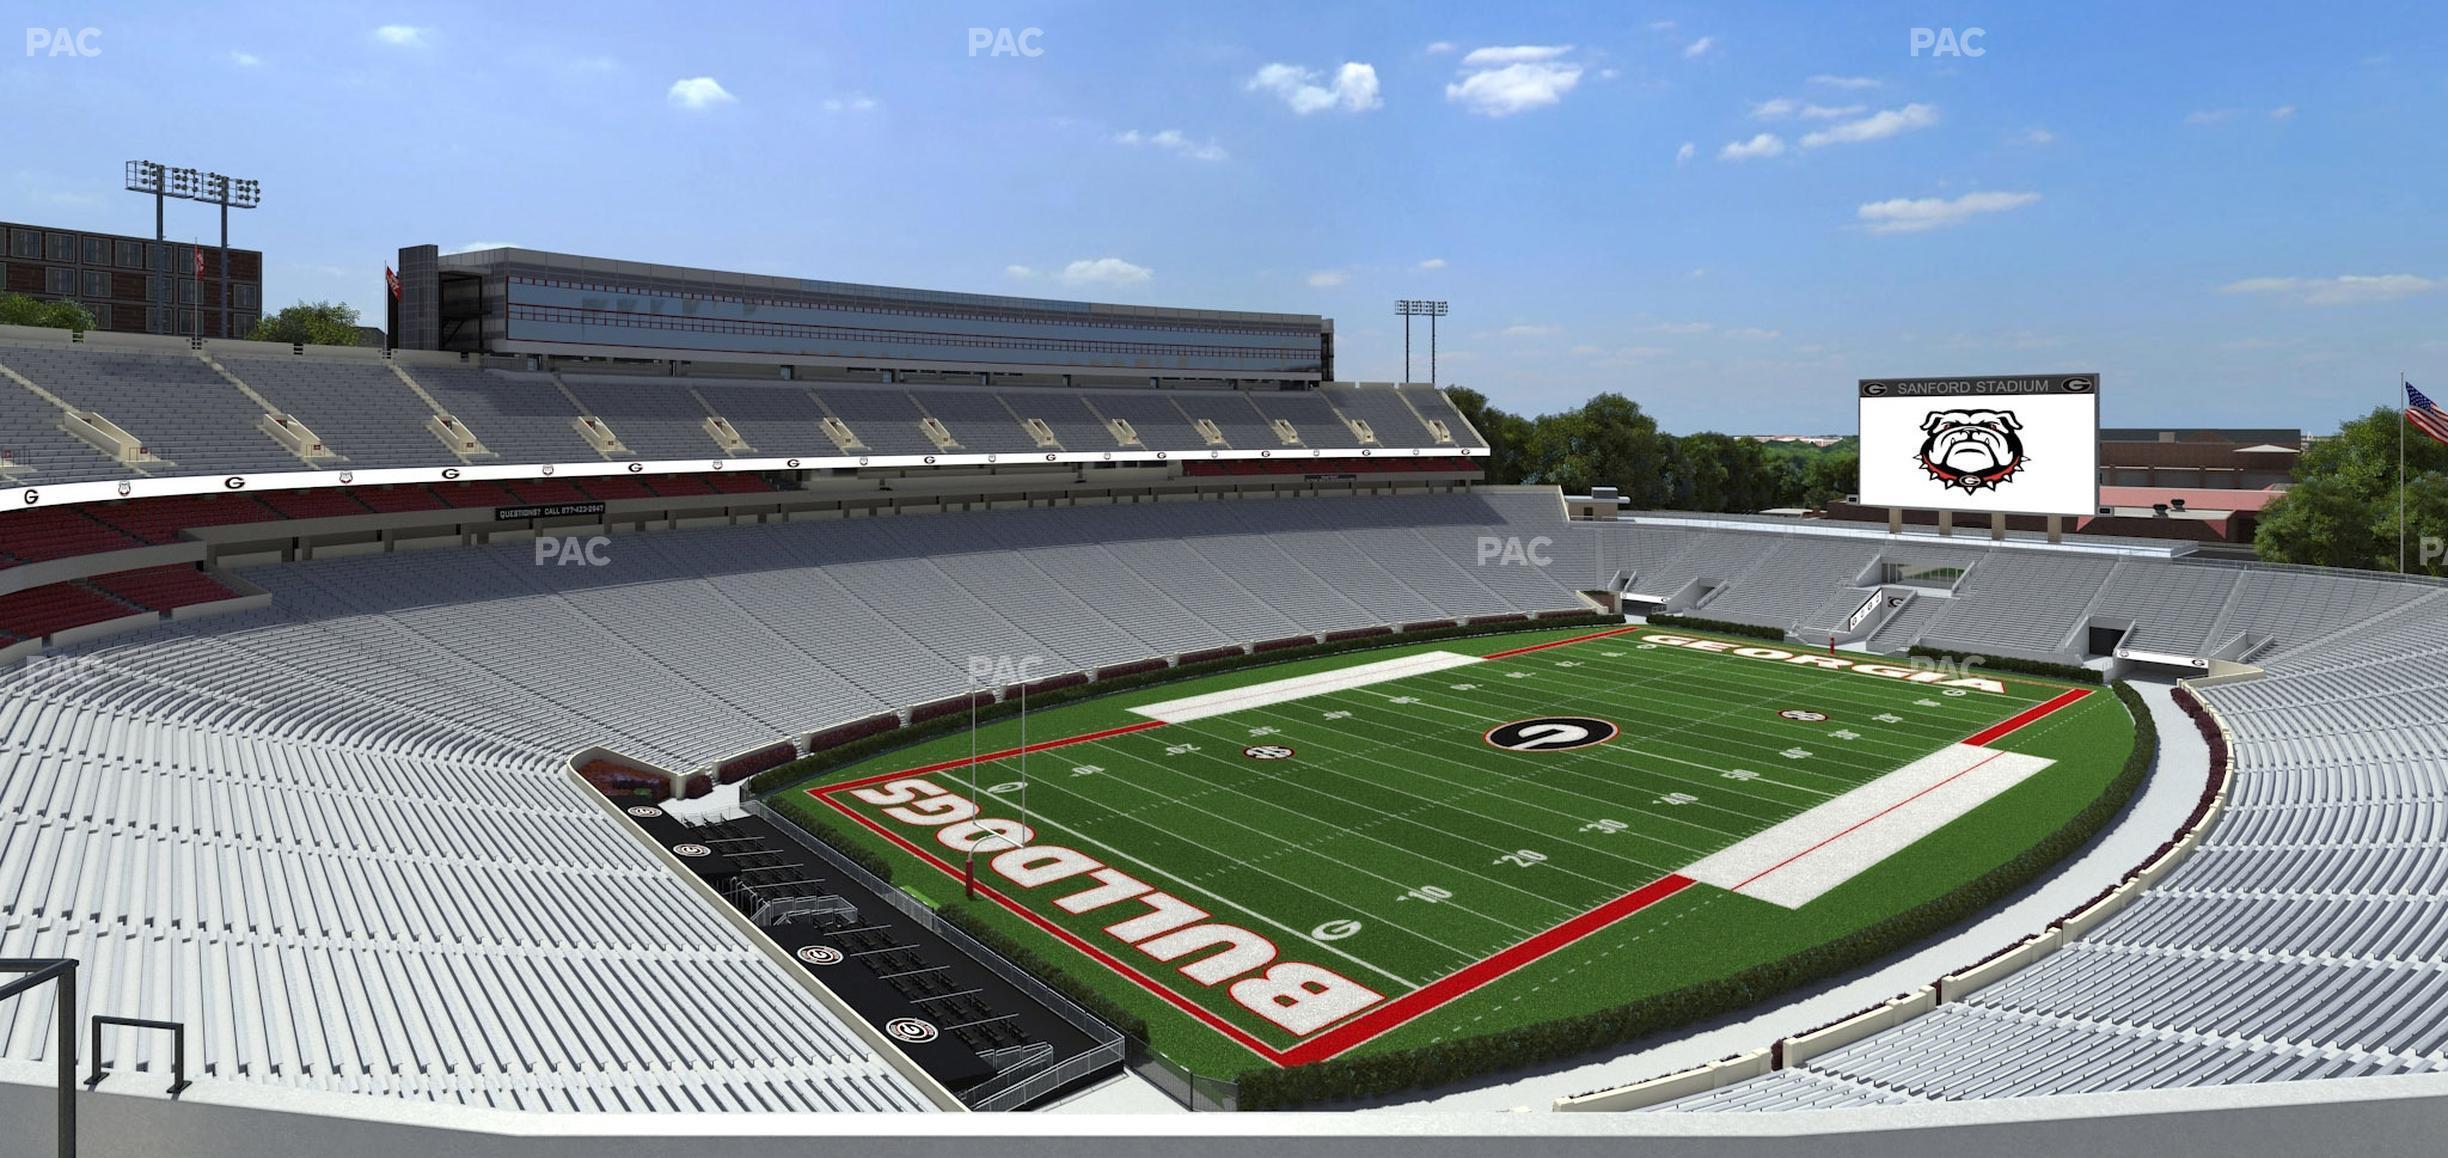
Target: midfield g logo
(1551, 733)
(1972, 450)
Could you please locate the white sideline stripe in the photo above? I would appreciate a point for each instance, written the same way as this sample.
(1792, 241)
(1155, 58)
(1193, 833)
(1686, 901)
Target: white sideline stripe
(1183, 711)
(1795, 860)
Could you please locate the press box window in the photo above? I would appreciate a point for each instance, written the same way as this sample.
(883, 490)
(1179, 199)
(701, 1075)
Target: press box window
(60, 282)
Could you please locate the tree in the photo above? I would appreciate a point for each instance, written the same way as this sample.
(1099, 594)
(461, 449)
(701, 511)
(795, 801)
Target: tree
(1607, 442)
(1508, 435)
(310, 323)
(1831, 477)
(2342, 509)
(20, 310)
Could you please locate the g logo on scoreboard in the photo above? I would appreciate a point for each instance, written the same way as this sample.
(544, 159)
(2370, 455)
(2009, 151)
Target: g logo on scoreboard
(1551, 733)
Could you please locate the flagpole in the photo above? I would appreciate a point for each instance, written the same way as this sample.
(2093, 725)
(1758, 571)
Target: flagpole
(2405, 401)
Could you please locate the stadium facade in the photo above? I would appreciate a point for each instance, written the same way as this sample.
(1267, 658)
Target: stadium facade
(529, 302)
(135, 285)
(311, 753)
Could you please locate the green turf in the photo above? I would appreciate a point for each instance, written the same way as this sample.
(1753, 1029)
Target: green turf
(1395, 814)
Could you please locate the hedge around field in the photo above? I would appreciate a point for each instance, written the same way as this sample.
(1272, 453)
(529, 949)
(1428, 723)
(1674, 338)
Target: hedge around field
(1376, 1075)
(1720, 626)
(1059, 979)
(842, 755)
(2071, 673)
(813, 822)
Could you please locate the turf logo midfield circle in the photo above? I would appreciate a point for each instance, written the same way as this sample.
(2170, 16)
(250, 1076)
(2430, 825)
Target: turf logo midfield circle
(1268, 752)
(1551, 733)
(1804, 715)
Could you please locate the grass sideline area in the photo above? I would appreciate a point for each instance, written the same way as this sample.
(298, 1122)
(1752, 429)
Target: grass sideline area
(1393, 788)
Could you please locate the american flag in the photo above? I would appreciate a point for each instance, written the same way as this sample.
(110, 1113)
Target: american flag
(2426, 415)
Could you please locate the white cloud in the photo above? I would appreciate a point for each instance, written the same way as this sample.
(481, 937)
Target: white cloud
(857, 102)
(1104, 271)
(1305, 91)
(1173, 141)
(1327, 279)
(2208, 116)
(403, 35)
(1501, 80)
(1919, 215)
(1749, 333)
(1699, 48)
(475, 246)
(2282, 112)
(1498, 55)
(698, 92)
(2035, 136)
(1846, 83)
(2343, 290)
(1528, 330)
(1019, 272)
(1877, 126)
(1439, 48)
(1683, 153)
(1685, 328)
(245, 59)
(1763, 145)
(1433, 263)
(1782, 107)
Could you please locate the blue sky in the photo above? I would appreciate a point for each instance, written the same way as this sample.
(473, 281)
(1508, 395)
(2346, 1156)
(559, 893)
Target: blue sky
(1727, 212)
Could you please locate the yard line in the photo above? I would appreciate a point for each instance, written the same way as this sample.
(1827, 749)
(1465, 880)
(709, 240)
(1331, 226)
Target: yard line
(1338, 832)
(1612, 886)
(1840, 690)
(1722, 668)
(1596, 753)
(1646, 738)
(1687, 721)
(1754, 697)
(1117, 853)
(1634, 676)
(1610, 803)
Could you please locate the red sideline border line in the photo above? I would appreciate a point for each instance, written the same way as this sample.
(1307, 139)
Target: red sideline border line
(2025, 718)
(1377, 1020)
(985, 757)
(1561, 642)
(1982, 738)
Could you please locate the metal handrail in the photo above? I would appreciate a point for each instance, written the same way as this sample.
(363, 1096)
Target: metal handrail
(63, 970)
(178, 1049)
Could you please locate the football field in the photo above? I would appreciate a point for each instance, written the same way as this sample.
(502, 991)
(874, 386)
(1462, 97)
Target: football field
(1307, 858)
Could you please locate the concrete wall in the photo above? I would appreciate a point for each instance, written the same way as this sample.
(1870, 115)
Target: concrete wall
(2382, 1117)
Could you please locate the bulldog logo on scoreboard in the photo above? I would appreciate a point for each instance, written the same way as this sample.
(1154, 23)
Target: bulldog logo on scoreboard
(1972, 450)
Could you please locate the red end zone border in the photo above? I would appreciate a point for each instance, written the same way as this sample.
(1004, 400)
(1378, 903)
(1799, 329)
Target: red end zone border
(1378, 1019)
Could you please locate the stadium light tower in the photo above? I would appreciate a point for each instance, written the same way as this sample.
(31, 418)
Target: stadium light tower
(1411, 308)
(164, 182)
